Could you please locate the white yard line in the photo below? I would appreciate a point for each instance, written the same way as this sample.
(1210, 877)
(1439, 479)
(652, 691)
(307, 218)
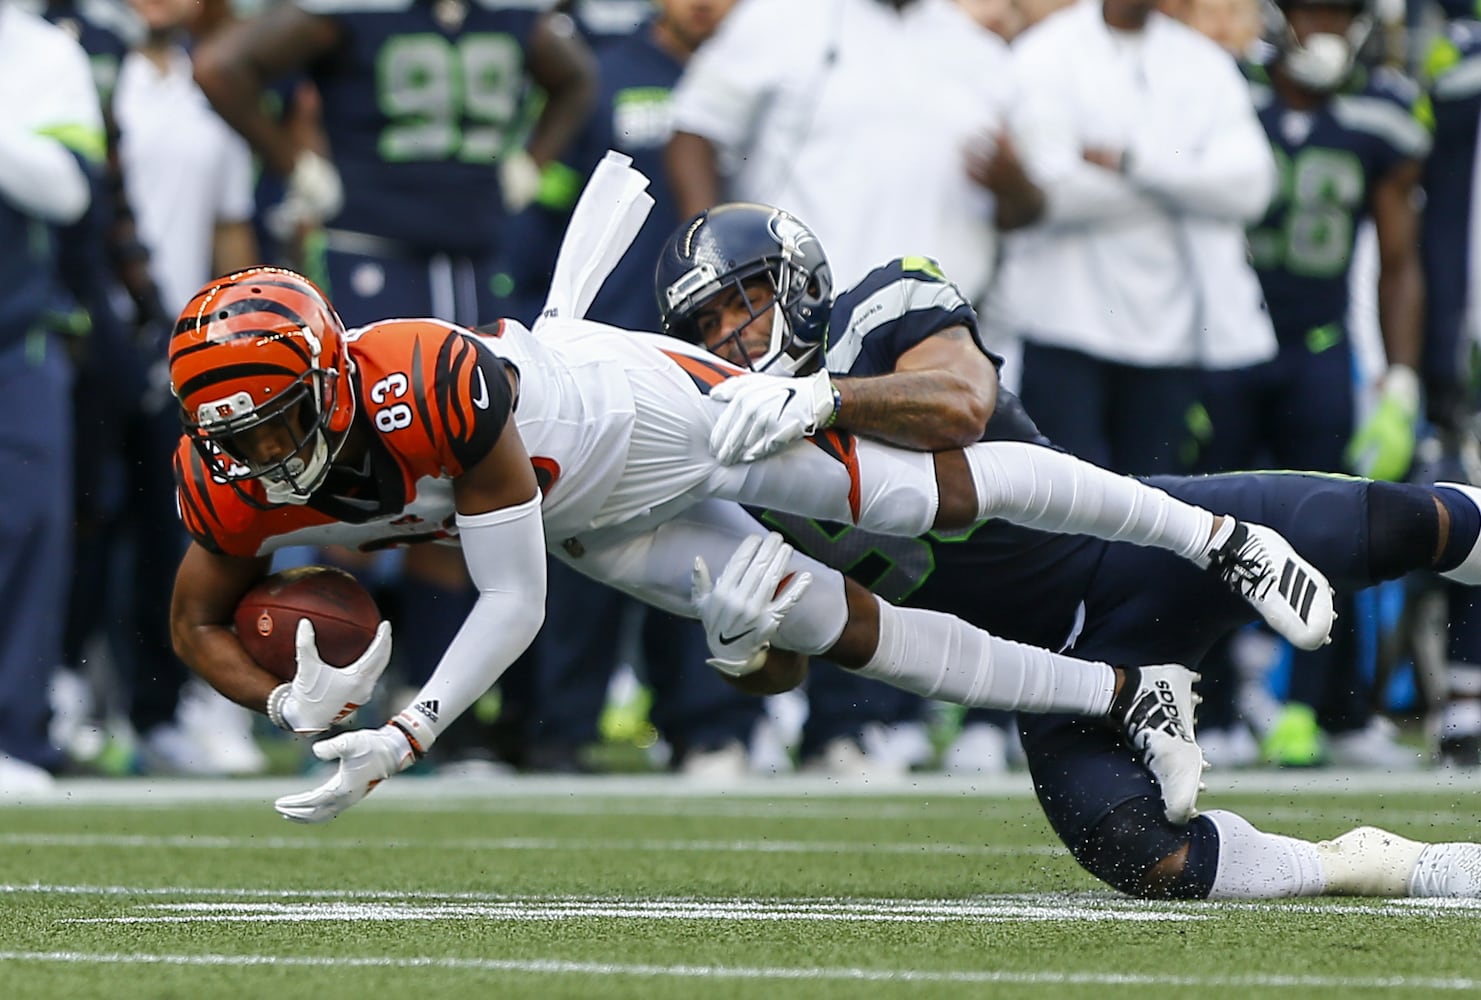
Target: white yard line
(71, 841)
(500, 789)
(381, 904)
(855, 974)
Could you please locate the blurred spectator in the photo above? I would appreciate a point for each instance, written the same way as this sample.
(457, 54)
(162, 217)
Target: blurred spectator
(1142, 161)
(603, 21)
(422, 105)
(1034, 11)
(1350, 148)
(98, 254)
(51, 142)
(188, 180)
(769, 111)
(1234, 24)
(1003, 18)
(706, 722)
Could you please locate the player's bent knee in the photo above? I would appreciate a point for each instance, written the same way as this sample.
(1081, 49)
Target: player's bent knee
(1136, 850)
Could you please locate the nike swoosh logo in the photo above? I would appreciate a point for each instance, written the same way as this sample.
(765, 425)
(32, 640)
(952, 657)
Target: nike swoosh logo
(783, 408)
(726, 640)
(481, 400)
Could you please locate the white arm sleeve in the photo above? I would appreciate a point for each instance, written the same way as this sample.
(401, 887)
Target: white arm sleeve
(505, 552)
(39, 176)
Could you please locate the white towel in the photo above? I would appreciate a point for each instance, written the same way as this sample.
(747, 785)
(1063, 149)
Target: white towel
(611, 210)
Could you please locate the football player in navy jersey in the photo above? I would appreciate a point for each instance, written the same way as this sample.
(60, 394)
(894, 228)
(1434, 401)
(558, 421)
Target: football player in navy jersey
(1350, 143)
(903, 352)
(1453, 71)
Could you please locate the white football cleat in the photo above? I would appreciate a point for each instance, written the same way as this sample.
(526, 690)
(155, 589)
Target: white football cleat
(1292, 595)
(1448, 871)
(1159, 723)
(1373, 862)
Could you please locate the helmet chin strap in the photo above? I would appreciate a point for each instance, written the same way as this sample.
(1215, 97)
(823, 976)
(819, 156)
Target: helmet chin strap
(779, 359)
(287, 491)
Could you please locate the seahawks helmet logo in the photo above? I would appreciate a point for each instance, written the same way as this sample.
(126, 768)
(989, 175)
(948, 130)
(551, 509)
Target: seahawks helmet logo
(791, 234)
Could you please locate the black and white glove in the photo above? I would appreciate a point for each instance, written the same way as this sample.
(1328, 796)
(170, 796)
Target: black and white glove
(366, 758)
(321, 695)
(743, 610)
(766, 413)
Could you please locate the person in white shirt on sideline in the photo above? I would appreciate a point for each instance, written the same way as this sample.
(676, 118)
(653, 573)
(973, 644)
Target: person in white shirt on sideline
(189, 180)
(1138, 166)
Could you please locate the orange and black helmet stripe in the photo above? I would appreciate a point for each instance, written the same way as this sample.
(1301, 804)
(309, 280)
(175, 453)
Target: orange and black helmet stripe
(268, 307)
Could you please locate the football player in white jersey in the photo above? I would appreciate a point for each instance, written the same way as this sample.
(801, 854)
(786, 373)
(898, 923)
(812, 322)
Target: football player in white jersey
(599, 441)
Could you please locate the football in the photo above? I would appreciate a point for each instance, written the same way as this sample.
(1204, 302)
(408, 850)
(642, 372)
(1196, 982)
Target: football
(343, 612)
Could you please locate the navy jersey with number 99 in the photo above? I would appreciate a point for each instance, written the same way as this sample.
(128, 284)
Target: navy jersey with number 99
(420, 98)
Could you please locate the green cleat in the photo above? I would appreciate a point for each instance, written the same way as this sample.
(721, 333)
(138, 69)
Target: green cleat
(1295, 740)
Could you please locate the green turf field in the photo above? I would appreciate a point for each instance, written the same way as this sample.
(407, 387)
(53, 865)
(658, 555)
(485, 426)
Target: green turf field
(649, 887)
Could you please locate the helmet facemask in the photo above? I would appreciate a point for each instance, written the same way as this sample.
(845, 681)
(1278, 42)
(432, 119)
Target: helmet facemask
(218, 430)
(785, 354)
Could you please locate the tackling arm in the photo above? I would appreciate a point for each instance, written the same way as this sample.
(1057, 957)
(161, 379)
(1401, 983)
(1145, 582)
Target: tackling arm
(941, 395)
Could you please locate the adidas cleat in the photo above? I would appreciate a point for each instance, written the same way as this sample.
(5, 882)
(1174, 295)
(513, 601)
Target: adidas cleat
(1292, 595)
(1158, 720)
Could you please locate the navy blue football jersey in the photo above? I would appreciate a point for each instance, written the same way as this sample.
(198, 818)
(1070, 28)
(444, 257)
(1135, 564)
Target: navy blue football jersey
(420, 98)
(1329, 159)
(998, 576)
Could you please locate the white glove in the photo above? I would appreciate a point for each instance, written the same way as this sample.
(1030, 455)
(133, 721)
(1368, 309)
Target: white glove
(322, 695)
(519, 179)
(767, 413)
(742, 612)
(314, 194)
(366, 758)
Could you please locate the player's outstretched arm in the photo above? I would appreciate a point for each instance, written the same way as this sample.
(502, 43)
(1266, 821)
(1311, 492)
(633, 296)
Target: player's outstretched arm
(503, 540)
